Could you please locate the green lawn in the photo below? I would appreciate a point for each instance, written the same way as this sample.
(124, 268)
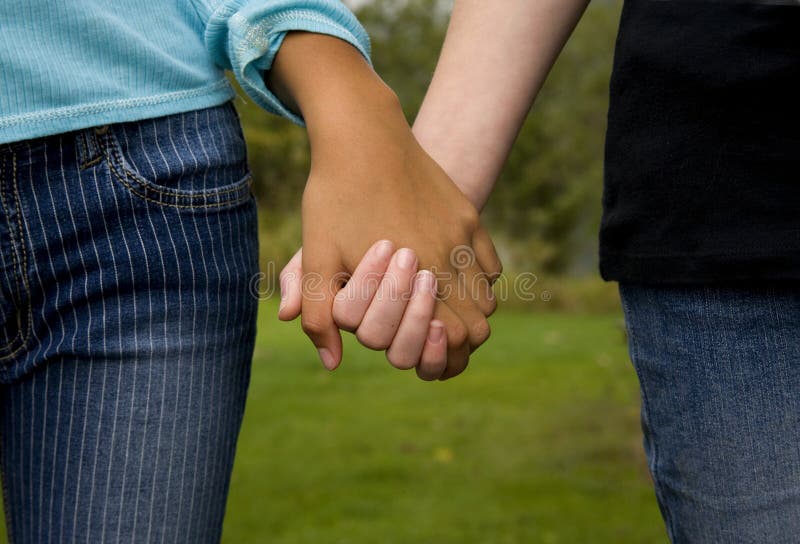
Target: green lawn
(538, 442)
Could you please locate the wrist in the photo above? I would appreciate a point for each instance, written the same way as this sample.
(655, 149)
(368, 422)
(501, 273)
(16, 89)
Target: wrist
(330, 83)
(362, 105)
(475, 193)
(438, 141)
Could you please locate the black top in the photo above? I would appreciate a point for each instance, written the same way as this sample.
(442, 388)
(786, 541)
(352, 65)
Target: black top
(702, 176)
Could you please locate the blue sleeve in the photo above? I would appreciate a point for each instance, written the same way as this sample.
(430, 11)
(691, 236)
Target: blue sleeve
(244, 36)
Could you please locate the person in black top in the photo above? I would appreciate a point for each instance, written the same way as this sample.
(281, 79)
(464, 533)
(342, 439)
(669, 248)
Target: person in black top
(702, 157)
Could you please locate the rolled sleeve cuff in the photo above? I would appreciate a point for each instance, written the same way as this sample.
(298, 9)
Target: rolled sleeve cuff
(246, 40)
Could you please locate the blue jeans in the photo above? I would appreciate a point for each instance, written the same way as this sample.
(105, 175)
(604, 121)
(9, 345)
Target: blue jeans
(719, 369)
(126, 328)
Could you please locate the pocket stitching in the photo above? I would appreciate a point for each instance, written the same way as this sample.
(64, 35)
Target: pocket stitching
(240, 191)
(21, 263)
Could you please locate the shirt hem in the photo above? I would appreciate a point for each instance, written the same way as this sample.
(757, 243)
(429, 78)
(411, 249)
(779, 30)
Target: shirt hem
(779, 267)
(58, 121)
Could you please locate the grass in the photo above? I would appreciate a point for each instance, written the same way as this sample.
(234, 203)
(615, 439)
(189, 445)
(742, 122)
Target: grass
(538, 442)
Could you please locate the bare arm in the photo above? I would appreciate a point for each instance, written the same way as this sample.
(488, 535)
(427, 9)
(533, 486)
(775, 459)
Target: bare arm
(494, 61)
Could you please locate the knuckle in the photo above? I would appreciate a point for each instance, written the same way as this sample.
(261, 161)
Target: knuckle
(400, 361)
(344, 318)
(479, 332)
(471, 219)
(417, 315)
(491, 306)
(371, 339)
(456, 335)
(481, 287)
(314, 325)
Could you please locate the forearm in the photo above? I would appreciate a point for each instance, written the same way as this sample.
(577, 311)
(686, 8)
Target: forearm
(492, 65)
(332, 86)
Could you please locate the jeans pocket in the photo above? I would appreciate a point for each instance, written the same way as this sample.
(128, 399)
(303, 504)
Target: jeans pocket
(15, 310)
(181, 161)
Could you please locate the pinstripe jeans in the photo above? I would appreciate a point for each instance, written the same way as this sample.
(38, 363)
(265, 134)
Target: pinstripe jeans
(126, 328)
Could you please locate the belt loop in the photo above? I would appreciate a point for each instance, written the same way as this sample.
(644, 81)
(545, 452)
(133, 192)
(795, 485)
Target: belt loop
(89, 150)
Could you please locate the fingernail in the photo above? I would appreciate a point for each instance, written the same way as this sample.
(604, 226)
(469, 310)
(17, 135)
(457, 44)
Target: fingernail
(327, 358)
(424, 281)
(436, 333)
(384, 249)
(406, 259)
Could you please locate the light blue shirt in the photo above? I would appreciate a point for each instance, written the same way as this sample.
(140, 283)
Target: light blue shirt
(72, 64)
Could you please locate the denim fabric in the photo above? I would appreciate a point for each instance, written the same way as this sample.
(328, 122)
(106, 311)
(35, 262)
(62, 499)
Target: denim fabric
(719, 368)
(126, 328)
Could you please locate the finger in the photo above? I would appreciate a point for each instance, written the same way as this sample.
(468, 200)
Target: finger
(351, 303)
(476, 285)
(458, 348)
(474, 282)
(486, 254)
(454, 290)
(408, 343)
(433, 360)
(385, 312)
(318, 290)
(291, 288)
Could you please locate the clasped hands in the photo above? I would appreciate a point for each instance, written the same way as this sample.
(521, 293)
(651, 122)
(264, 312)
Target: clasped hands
(370, 223)
(391, 305)
(393, 250)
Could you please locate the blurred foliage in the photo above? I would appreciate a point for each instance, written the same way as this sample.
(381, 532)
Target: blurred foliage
(558, 293)
(545, 211)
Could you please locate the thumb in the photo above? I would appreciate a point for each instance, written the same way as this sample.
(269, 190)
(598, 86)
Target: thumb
(291, 288)
(320, 281)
